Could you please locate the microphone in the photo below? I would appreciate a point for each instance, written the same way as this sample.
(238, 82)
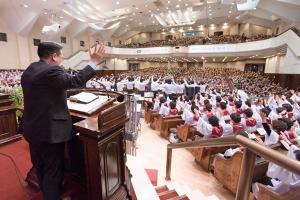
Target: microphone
(101, 84)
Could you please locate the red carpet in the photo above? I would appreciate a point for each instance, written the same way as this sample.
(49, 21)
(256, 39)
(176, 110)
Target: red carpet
(152, 174)
(11, 189)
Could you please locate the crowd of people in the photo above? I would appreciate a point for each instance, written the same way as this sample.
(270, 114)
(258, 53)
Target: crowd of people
(9, 79)
(197, 40)
(217, 102)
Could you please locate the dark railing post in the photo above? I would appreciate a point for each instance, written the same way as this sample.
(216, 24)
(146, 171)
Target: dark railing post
(246, 175)
(168, 166)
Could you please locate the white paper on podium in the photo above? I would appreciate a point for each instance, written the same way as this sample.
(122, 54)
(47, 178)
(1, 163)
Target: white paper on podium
(89, 107)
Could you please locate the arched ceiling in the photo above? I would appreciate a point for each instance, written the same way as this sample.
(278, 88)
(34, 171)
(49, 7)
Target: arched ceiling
(123, 18)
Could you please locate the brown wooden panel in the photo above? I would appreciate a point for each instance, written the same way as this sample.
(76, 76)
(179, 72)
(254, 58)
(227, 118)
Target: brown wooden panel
(291, 81)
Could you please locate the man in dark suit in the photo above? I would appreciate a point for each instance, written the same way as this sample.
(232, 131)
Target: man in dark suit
(47, 122)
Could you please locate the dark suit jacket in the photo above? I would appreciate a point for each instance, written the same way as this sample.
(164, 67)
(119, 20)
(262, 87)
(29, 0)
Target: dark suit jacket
(46, 116)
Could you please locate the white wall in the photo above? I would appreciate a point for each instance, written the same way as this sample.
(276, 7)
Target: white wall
(288, 64)
(115, 64)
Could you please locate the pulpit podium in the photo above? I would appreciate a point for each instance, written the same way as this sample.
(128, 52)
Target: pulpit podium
(96, 155)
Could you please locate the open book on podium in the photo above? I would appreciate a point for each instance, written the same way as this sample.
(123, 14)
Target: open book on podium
(86, 102)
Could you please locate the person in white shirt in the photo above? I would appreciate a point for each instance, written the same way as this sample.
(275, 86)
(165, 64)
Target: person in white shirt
(155, 85)
(141, 85)
(242, 94)
(180, 87)
(130, 85)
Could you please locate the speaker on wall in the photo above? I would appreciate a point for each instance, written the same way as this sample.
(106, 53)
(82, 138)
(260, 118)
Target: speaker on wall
(82, 43)
(36, 42)
(3, 37)
(63, 40)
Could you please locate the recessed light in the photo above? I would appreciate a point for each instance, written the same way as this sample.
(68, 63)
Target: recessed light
(126, 25)
(136, 8)
(117, 3)
(177, 6)
(186, 4)
(230, 11)
(210, 14)
(169, 1)
(25, 5)
(167, 8)
(61, 17)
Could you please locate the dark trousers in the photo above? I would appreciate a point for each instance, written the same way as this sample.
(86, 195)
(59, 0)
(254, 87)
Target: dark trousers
(48, 159)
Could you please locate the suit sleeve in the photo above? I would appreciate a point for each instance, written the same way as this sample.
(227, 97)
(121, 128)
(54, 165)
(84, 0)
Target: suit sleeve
(58, 78)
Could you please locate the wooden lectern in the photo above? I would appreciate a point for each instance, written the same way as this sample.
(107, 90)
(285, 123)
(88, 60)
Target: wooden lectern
(96, 156)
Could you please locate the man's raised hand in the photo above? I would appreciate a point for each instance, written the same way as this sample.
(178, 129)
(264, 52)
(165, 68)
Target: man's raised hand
(97, 54)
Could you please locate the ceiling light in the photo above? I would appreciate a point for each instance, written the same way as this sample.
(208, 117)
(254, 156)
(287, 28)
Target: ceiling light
(167, 8)
(117, 3)
(225, 24)
(186, 4)
(230, 11)
(232, 3)
(177, 6)
(254, 8)
(136, 8)
(140, 23)
(210, 14)
(169, 1)
(179, 0)
(25, 5)
(126, 25)
(146, 5)
(45, 13)
(157, 9)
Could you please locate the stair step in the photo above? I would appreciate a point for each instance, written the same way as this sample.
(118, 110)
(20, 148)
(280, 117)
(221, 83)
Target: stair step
(182, 197)
(161, 189)
(167, 195)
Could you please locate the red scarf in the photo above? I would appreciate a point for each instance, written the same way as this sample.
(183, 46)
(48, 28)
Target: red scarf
(268, 120)
(237, 127)
(225, 112)
(239, 111)
(231, 103)
(290, 134)
(290, 115)
(173, 111)
(250, 122)
(196, 117)
(209, 114)
(217, 132)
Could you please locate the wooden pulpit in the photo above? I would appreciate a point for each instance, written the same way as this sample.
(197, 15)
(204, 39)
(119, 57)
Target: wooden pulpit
(96, 155)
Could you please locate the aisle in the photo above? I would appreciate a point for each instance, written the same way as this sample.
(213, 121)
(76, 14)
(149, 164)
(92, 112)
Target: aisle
(152, 151)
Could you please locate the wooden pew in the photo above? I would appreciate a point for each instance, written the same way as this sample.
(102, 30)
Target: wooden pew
(153, 120)
(168, 124)
(148, 111)
(205, 156)
(227, 171)
(160, 121)
(185, 132)
(266, 193)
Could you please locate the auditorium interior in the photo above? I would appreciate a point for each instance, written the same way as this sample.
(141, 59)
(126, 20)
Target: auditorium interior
(193, 100)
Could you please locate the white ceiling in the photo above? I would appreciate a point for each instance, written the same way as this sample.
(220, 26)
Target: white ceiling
(120, 18)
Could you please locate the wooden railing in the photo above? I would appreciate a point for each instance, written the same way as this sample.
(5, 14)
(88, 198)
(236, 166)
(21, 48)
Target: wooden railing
(252, 149)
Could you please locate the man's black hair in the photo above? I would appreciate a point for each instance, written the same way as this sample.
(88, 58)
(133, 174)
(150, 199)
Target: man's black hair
(235, 117)
(248, 112)
(223, 105)
(46, 49)
(214, 121)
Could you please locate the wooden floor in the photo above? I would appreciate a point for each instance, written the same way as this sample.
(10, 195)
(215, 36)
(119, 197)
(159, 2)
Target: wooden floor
(152, 152)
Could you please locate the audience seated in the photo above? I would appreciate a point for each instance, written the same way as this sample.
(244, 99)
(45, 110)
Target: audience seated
(197, 40)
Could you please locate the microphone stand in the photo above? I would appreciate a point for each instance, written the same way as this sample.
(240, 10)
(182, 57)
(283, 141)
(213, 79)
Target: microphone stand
(101, 84)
